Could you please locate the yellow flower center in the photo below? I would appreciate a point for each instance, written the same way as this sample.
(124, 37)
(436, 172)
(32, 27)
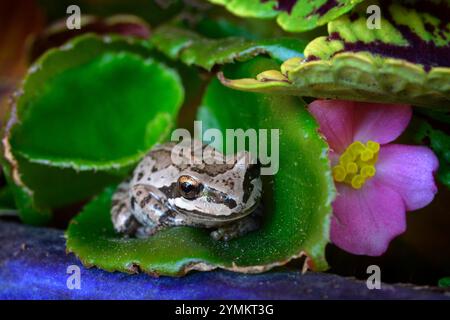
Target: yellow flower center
(357, 164)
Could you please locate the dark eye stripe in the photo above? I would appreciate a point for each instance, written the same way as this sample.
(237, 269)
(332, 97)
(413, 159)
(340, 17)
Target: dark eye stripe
(217, 196)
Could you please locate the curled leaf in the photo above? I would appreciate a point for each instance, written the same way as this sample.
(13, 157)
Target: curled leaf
(406, 61)
(297, 199)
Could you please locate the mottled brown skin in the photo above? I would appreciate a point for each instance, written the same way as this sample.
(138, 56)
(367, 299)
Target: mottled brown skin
(161, 194)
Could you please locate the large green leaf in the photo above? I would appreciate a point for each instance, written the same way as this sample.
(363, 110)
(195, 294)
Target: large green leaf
(297, 200)
(291, 15)
(86, 113)
(193, 49)
(405, 61)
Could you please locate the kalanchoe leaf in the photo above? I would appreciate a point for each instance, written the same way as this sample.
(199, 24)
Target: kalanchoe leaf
(406, 61)
(291, 15)
(194, 49)
(86, 113)
(439, 141)
(57, 34)
(297, 199)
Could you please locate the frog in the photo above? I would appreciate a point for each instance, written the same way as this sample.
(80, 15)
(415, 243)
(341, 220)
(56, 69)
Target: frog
(216, 194)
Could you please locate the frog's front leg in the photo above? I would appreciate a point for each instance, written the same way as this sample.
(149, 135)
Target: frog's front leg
(149, 207)
(240, 227)
(121, 215)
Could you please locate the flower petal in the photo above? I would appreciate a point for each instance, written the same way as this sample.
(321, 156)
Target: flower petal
(335, 118)
(343, 122)
(409, 171)
(366, 220)
(382, 123)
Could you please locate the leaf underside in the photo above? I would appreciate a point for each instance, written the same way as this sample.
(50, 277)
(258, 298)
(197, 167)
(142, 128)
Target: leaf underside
(406, 61)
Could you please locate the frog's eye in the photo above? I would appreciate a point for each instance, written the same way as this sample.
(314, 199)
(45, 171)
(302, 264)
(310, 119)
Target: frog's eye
(189, 187)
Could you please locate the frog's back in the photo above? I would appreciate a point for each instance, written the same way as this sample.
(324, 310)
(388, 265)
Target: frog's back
(154, 169)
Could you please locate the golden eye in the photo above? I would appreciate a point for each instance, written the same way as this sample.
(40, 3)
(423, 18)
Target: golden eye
(189, 187)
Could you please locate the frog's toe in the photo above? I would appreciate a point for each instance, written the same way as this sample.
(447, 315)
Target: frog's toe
(217, 234)
(225, 233)
(237, 229)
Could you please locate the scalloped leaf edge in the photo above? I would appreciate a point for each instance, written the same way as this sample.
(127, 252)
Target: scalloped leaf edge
(188, 266)
(288, 15)
(10, 164)
(354, 76)
(189, 45)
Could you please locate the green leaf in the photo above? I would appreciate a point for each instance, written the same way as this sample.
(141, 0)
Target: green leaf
(154, 12)
(406, 61)
(87, 112)
(193, 49)
(293, 15)
(440, 143)
(444, 282)
(297, 199)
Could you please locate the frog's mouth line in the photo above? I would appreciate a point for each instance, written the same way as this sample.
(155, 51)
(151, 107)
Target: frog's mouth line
(205, 217)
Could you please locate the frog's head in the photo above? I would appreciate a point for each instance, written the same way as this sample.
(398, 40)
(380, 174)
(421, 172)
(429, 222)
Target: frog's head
(218, 192)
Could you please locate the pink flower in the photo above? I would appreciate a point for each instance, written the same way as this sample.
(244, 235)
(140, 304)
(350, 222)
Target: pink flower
(377, 181)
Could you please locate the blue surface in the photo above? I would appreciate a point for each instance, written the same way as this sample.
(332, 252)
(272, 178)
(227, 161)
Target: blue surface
(33, 265)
